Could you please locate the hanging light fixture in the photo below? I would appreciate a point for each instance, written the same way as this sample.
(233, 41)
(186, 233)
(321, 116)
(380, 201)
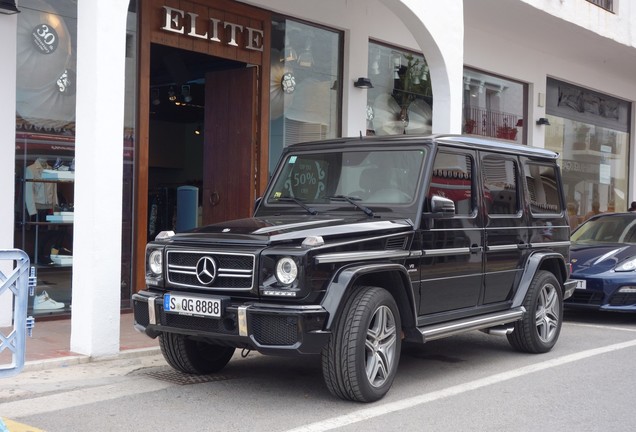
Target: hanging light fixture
(397, 63)
(172, 96)
(155, 97)
(289, 53)
(185, 93)
(425, 73)
(306, 58)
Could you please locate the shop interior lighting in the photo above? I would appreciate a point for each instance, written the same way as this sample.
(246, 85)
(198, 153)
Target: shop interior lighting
(172, 96)
(306, 58)
(289, 54)
(186, 94)
(156, 100)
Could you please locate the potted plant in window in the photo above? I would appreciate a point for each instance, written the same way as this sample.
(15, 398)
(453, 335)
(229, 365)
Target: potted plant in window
(469, 126)
(507, 132)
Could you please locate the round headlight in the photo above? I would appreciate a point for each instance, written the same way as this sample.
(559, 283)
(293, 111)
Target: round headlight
(155, 262)
(286, 270)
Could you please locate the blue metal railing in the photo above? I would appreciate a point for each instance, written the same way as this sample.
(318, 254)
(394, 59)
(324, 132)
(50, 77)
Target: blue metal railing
(20, 282)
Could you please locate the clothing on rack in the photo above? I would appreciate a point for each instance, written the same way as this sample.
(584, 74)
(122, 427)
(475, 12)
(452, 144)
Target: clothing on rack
(38, 195)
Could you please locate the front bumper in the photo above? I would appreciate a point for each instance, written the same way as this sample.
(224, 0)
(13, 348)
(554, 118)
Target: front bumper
(267, 328)
(604, 292)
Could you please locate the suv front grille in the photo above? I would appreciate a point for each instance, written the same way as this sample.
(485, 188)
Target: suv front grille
(230, 271)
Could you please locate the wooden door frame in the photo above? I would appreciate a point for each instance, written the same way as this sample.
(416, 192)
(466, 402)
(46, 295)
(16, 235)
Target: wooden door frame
(149, 18)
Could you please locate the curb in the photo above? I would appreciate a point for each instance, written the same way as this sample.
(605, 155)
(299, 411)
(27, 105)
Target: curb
(38, 365)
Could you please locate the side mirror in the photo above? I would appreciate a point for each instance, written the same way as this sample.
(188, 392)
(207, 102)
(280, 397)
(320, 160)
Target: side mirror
(442, 206)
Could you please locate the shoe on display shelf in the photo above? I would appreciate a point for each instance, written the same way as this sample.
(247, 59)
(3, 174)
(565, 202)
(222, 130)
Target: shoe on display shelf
(42, 301)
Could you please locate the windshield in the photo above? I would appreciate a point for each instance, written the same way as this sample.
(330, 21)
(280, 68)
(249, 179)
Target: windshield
(615, 229)
(367, 177)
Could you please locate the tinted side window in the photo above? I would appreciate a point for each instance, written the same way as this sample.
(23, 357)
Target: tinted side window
(452, 178)
(500, 185)
(541, 181)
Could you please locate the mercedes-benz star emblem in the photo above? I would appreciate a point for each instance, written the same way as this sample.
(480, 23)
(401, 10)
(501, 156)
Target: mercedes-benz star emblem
(206, 270)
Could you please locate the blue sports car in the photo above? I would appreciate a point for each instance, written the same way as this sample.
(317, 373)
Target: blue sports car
(603, 256)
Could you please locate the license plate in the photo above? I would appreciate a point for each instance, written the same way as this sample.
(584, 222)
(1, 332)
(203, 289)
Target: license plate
(181, 304)
(580, 284)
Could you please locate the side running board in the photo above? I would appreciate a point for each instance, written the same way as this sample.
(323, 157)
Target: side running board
(439, 331)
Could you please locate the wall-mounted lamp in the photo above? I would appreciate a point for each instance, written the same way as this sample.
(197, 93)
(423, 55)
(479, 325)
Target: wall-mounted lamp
(8, 7)
(543, 122)
(363, 83)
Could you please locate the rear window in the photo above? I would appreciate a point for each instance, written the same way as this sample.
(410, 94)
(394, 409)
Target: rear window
(542, 185)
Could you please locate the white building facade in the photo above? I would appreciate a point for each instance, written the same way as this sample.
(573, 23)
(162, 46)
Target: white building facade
(126, 107)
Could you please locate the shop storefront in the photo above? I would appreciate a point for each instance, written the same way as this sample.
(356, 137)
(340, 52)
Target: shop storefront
(591, 132)
(45, 151)
(213, 90)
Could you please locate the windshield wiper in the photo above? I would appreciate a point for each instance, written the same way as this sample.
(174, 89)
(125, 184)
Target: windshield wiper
(352, 200)
(310, 210)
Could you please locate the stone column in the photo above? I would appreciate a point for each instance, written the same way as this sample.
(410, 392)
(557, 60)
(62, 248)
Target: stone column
(439, 31)
(8, 51)
(101, 34)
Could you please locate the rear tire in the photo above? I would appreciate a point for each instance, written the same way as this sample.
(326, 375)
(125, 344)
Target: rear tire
(538, 330)
(193, 356)
(360, 361)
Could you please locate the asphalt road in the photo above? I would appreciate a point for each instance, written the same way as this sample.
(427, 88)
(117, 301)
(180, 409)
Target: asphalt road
(472, 382)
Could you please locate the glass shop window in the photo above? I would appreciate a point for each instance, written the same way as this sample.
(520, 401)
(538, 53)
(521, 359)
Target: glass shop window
(591, 132)
(401, 99)
(305, 91)
(493, 106)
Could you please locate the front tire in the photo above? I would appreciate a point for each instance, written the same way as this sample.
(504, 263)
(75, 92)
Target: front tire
(193, 356)
(538, 330)
(360, 361)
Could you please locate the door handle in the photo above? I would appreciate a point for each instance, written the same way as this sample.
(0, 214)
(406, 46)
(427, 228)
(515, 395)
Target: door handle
(214, 198)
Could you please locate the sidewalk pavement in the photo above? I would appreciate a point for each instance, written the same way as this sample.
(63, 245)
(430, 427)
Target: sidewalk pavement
(51, 368)
(50, 345)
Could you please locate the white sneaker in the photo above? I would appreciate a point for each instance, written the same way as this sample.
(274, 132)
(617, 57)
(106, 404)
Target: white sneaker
(43, 301)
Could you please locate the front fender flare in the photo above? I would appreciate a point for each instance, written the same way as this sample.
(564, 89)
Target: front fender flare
(346, 278)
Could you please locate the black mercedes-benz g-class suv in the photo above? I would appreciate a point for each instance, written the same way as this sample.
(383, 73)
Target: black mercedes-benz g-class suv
(361, 244)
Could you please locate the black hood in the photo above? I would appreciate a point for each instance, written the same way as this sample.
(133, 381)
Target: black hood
(290, 229)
